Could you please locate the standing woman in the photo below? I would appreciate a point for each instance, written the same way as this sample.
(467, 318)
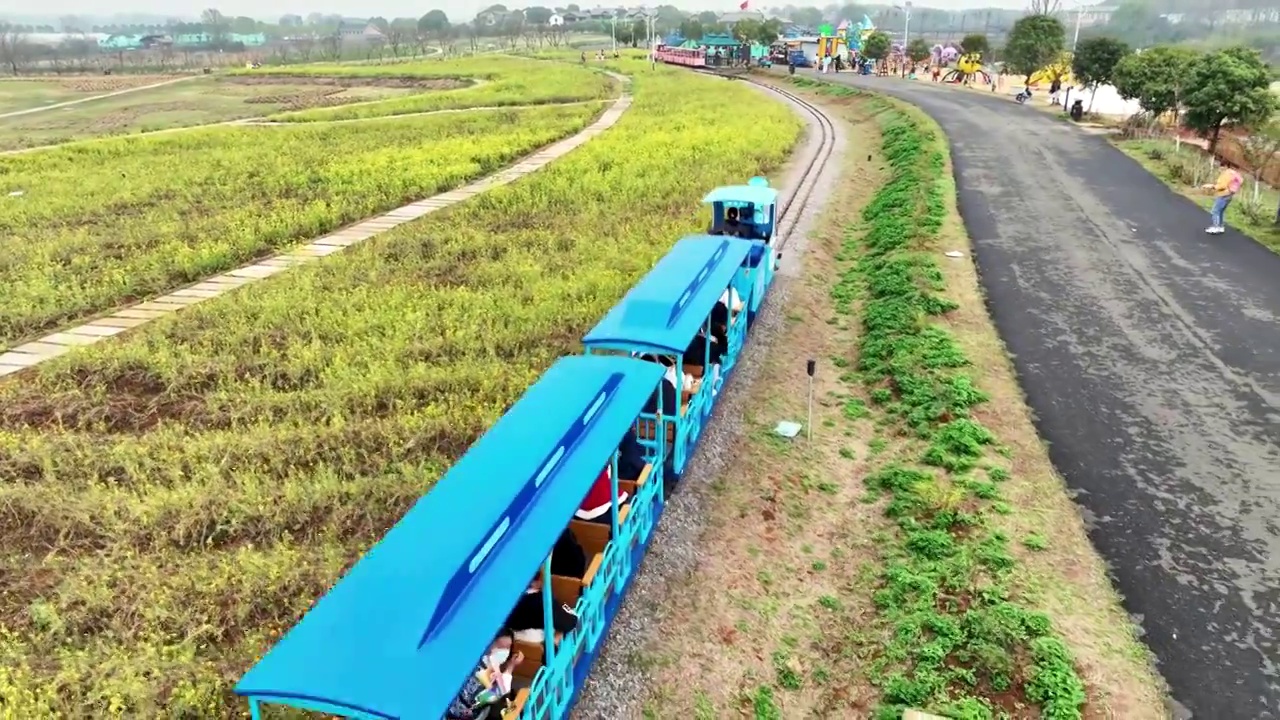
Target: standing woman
(1228, 184)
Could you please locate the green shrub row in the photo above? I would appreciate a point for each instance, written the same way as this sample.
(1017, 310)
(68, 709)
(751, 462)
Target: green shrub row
(958, 641)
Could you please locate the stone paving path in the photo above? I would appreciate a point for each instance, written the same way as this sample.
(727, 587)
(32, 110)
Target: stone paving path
(42, 349)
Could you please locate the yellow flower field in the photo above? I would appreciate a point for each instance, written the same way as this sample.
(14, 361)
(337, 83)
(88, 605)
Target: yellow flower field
(174, 500)
(104, 223)
(501, 81)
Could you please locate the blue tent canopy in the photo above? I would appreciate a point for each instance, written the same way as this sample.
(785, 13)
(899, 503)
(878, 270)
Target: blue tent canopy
(743, 194)
(663, 312)
(397, 636)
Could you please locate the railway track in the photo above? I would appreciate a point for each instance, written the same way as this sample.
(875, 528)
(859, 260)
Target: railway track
(798, 198)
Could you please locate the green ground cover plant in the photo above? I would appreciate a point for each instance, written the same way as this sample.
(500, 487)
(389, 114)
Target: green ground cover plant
(960, 641)
(500, 81)
(105, 223)
(175, 500)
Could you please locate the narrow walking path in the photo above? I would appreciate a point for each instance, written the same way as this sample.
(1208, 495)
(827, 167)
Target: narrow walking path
(263, 122)
(50, 346)
(1150, 355)
(104, 96)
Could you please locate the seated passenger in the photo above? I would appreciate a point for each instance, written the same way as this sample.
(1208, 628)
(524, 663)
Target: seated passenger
(630, 457)
(487, 688)
(730, 299)
(526, 620)
(720, 326)
(731, 225)
(703, 349)
(668, 389)
(597, 506)
(568, 559)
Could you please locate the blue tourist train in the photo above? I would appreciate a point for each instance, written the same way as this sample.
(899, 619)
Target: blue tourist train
(498, 612)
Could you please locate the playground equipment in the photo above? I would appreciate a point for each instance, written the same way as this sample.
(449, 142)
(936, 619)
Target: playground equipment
(1060, 70)
(968, 69)
(856, 34)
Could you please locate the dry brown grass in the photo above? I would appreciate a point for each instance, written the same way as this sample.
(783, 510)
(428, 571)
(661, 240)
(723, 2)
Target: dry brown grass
(786, 571)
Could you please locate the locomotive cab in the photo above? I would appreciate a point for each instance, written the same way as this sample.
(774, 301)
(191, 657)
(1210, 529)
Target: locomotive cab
(755, 206)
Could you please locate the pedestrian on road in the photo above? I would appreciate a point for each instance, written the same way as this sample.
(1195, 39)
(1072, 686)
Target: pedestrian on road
(1228, 184)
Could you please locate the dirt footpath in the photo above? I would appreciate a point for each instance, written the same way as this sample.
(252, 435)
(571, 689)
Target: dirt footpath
(1150, 353)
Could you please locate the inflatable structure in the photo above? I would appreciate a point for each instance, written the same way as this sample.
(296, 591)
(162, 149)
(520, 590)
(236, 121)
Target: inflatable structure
(968, 70)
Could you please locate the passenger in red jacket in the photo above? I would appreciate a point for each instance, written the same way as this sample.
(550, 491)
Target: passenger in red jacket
(597, 504)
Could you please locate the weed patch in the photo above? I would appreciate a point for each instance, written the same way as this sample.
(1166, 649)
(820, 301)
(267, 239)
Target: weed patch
(957, 639)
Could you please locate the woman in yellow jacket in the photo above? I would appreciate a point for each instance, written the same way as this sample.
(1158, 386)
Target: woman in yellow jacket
(1225, 188)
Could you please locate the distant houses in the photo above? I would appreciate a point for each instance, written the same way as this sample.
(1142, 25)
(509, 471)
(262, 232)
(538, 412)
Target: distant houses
(359, 31)
(181, 41)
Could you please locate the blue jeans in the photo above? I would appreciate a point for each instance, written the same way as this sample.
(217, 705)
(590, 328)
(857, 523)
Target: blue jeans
(1219, 210)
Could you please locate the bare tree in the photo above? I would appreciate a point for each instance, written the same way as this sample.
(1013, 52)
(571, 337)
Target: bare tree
(331, 47)
(396, 39)
(1259, 148)
(215, 24)
(473, 35)
(15, 51)
(555, 35)
(1044, 7)
(305, 45)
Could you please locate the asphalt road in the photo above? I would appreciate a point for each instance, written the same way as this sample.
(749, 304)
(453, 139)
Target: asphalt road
(1150, 352)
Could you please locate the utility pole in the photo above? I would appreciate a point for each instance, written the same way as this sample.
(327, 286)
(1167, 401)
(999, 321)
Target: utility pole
(906, 25)
(613, 31)
(1076, 39)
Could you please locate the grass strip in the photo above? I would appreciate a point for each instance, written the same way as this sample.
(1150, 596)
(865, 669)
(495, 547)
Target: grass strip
(226, 446)
(106, 223)
(959, 641)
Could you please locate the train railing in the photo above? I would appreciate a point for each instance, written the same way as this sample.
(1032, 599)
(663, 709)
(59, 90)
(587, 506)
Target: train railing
(401, 632)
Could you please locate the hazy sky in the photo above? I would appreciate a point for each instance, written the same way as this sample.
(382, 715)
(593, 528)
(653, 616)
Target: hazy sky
(456, 9)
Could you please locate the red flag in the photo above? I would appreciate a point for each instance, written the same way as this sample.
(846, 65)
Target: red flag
(743, 6)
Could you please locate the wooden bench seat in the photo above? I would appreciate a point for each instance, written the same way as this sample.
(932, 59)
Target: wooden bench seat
(644, 428)
(593, 537)
(633, 486)
(533, 655)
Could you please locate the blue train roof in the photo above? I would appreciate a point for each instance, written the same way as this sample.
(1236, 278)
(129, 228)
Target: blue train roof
(757, 194)
(663, 312)
(397, 636)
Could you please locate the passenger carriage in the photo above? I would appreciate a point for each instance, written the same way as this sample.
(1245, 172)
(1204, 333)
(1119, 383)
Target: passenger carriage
(403, 630)
(664, 314)
(755, 204)
(689, 57)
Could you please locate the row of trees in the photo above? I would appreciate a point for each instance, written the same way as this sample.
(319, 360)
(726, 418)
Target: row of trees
(1145, 23)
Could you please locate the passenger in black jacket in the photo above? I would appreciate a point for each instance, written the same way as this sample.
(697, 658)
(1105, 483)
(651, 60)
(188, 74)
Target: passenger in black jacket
(668, 389)
(630, 457)
(526, 619)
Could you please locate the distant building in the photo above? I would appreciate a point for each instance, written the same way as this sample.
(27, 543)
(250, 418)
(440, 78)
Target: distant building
(1227, 17)
(115, 43)
(1094, 15)
(55, 39)
(359, 30)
